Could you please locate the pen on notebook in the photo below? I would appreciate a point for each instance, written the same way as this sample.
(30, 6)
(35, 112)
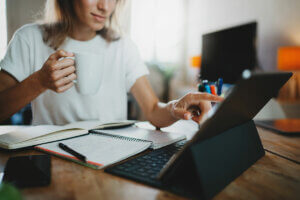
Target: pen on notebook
(71, 151)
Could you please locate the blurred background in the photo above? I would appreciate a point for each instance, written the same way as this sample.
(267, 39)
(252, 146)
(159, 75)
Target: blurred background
(179, 38)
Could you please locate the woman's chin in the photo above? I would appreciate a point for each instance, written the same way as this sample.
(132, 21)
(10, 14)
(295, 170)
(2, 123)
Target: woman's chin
(97, 27)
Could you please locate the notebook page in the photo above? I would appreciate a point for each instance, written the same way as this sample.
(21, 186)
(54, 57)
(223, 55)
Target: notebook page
(94, 124)
(9, 128)
(83, 124)
(99, 150)
(28, 133)
(60, 135)
(159, 138)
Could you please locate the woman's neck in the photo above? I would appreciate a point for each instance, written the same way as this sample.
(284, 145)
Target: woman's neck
(82, 33)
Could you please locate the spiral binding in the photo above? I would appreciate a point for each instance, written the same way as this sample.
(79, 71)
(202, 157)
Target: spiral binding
(119, 136)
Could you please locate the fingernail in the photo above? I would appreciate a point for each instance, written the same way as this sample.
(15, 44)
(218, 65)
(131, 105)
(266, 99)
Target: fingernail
(187, 116)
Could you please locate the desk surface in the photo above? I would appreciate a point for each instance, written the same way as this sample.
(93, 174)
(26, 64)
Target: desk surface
(272, 177)
(285, 146)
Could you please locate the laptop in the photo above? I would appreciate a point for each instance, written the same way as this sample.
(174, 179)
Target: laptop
(241, 105)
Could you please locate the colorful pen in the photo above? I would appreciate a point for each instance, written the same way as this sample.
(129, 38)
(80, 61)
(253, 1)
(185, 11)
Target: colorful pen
(201, 88)
(213, 89)
(206, 86)
(220, 85)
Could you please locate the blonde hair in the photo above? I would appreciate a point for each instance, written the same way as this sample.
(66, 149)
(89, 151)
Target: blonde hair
(58, 22)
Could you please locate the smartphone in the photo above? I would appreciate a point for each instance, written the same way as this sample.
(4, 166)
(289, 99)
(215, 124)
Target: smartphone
(28, 171)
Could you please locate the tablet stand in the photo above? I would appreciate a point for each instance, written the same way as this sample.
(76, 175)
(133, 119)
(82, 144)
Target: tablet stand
(208, 166)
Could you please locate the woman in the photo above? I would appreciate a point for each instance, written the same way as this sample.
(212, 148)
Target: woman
(33, 70)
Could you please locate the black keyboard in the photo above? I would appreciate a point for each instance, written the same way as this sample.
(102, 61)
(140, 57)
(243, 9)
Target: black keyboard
(145, 168)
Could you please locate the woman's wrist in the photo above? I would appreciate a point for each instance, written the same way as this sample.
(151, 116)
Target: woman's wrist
(170, 108)
(37, 82)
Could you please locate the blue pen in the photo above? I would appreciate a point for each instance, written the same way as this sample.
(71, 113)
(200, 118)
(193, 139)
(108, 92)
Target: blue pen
(207, 89)
(220, 85)
(206, 86)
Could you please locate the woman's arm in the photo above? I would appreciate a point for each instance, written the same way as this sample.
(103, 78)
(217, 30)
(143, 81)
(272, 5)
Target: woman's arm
(157, 113)
(162, 115)
(15, 95)
(56, 75)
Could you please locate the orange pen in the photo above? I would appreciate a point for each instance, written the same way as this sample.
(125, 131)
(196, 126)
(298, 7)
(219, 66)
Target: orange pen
(213, 89)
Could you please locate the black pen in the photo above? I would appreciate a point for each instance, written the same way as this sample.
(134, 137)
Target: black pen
(71, 151)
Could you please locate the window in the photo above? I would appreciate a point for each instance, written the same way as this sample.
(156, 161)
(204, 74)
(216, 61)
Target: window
(3, 29)
(157, 27)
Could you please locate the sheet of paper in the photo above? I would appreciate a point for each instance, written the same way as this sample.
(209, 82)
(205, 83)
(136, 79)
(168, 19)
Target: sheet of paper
(187, 127)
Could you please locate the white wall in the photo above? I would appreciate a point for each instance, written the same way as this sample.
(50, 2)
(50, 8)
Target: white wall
(3, 29)
(20, 12)
(278, 24)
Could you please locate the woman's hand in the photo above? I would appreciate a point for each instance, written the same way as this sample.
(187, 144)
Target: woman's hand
(58, 74)
(186, 107)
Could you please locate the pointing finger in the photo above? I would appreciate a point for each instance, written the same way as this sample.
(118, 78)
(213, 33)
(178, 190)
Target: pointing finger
(196, 97)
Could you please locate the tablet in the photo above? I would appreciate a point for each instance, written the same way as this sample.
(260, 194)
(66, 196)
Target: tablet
(244, 101)
(289, 127)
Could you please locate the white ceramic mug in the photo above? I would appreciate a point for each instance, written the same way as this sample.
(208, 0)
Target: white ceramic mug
(88, 70)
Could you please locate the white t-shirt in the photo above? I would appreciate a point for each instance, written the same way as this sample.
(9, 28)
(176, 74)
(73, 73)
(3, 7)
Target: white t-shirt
(122, 66)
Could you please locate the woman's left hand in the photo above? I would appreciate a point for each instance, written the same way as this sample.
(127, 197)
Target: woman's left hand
(186, 107)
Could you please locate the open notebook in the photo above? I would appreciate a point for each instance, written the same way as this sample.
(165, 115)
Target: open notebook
(106, 147)
(19, 137)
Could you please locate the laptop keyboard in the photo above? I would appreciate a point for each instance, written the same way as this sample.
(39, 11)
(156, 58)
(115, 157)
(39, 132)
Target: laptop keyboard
(145, 168)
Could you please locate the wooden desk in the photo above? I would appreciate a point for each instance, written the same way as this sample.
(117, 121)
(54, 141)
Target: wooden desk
(285, 146)
(272, 177)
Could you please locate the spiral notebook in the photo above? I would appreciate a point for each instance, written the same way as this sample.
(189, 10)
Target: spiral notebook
(103, 149)
(100, 150)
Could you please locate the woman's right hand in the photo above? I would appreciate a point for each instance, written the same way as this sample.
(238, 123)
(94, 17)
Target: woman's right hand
(58, 74)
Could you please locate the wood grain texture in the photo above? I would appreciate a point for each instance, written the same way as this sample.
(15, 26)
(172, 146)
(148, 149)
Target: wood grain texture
(272, 177)
(72, 181)
(283, 145)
